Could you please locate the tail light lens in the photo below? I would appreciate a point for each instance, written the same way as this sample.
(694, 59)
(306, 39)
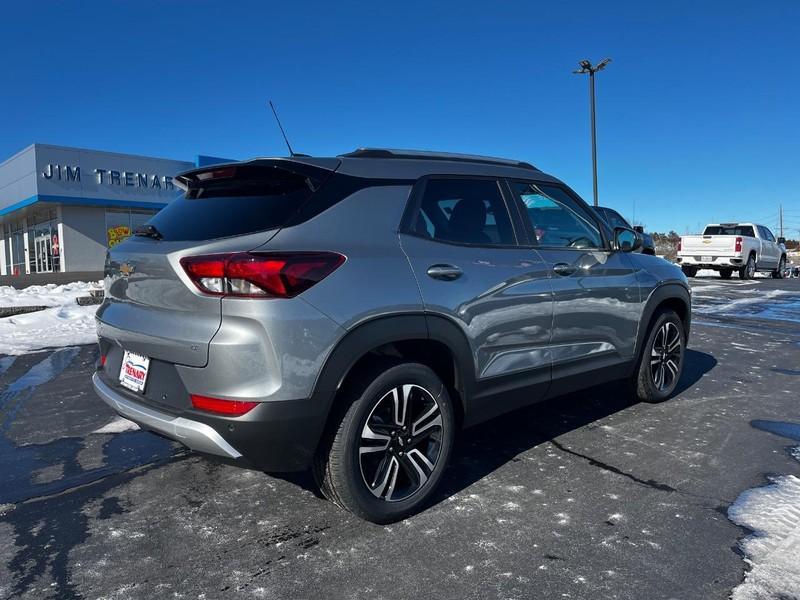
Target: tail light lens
(230, 408)
(250, 275)
(738, 244)
(680, 245)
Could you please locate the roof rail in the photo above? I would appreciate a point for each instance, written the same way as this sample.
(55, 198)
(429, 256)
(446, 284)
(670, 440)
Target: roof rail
(428, 155)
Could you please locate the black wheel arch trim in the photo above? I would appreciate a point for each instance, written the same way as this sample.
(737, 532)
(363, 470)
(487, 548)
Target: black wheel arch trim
(382, 330)
(665, 292)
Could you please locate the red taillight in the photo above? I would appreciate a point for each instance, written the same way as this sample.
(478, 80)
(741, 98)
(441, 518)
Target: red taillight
(680, 245)
(230, 408)
(278, 275)
(738, 244)
(103, 360)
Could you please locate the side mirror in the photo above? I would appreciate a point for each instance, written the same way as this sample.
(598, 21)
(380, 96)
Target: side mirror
(627, 240)
(782, 240)
(638, 229)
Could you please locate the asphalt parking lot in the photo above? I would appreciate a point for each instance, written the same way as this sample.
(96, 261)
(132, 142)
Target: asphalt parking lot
(581, 497)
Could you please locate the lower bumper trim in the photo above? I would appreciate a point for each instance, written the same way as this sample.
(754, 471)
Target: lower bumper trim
(195, 435)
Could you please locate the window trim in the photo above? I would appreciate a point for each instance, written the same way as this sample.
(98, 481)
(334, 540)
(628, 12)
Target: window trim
(593, 217)
(414, 204)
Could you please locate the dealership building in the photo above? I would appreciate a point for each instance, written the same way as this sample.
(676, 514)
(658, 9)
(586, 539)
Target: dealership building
(61, 208)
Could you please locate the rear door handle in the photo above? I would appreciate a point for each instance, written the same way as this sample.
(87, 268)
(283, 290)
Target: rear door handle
(444, 272)
(563, 269)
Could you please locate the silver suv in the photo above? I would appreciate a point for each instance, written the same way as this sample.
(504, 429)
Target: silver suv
(352, 314)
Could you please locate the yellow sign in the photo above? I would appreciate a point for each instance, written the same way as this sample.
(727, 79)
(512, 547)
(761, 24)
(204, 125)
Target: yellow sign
(117, 234)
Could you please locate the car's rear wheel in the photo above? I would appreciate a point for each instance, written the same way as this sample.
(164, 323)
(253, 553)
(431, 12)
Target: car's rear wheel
(725, 273)
(661, 361)
(778, 273)
(689, 271)
(387, 449)
(749, 268)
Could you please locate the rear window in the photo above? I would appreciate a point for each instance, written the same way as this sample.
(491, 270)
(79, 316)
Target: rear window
(236, 201)
(742, 230)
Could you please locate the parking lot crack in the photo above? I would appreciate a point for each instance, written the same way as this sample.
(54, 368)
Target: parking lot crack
(663, 487)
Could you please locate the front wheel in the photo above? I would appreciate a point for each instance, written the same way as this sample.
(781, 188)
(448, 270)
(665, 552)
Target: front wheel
(778, 273)
(661, 361)
(689, 271)
(385, 455)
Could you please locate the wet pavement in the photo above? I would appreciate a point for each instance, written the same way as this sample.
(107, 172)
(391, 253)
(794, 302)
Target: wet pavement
(581, 497)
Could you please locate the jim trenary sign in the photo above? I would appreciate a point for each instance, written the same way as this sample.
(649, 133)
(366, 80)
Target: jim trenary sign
(109, 177)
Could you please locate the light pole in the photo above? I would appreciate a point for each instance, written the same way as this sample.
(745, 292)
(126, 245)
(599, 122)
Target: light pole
(586, 67)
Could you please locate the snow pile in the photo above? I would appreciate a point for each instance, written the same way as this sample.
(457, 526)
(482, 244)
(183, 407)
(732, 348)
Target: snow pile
(773, 550)
(47, 295)
(65, 324)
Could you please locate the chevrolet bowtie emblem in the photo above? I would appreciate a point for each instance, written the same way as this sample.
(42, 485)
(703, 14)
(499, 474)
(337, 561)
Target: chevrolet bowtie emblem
(125, 269)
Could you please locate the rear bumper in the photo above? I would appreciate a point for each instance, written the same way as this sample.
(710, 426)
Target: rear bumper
(197, 436)
(276, 436)
(717, 262)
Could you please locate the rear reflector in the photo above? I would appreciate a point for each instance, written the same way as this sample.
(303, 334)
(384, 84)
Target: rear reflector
(230, 408)
(250, 275)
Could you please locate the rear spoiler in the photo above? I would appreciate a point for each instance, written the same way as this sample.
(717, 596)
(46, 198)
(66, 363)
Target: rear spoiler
(313, 169)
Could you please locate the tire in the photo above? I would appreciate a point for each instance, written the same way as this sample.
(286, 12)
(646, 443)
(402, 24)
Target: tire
(725, 273)
(369, 463)
(749, 269)
(656, 357)
(778, 273)
(689, 271)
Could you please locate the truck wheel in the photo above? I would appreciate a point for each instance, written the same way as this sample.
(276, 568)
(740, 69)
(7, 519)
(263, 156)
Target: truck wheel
(749, 269)
(661, 361)
(385, 454)
(689, 271)
(725, 273)
(778, 274)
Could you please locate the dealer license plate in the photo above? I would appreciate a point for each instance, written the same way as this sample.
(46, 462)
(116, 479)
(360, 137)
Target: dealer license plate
(706, 259)
(133, 373)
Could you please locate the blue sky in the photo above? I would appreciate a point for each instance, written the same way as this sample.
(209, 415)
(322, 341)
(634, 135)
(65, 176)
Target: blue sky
(698, 115)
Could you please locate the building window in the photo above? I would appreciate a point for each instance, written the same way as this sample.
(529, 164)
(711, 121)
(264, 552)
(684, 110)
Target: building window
(15, 235)
(121, 223)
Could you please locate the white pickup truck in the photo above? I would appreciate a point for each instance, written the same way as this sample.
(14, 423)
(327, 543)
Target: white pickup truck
(725, 247)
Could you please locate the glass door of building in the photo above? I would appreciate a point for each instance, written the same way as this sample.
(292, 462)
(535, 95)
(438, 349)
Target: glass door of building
(43, 247)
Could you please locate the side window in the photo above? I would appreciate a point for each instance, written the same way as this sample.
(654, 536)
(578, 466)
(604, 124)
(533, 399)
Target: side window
(768, 234)
(464, 211)
(556, 218)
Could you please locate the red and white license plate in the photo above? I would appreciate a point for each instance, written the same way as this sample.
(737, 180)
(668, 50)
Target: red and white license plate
(133, 373)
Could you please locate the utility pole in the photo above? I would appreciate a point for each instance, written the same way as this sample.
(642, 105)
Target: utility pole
(586, 67)
(781, 219)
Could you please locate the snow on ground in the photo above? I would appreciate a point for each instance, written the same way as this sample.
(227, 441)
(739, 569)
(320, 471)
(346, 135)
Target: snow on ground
(47, 295)
(772, 551)
(118, 425)
(65, 324)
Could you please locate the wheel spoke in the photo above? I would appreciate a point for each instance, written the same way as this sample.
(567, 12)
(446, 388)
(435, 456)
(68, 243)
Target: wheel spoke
(417, 426)
(659, 378)
(673, 368)
(400, 397)
(387, 474)
(421, 466)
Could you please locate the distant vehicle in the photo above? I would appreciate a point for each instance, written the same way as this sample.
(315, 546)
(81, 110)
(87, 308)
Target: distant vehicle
(615, 219)
(729, 247)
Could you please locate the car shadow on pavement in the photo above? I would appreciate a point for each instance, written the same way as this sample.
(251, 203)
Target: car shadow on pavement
(484, 448)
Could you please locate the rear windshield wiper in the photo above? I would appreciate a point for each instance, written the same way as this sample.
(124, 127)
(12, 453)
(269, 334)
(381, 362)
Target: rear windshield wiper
(148, 231)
